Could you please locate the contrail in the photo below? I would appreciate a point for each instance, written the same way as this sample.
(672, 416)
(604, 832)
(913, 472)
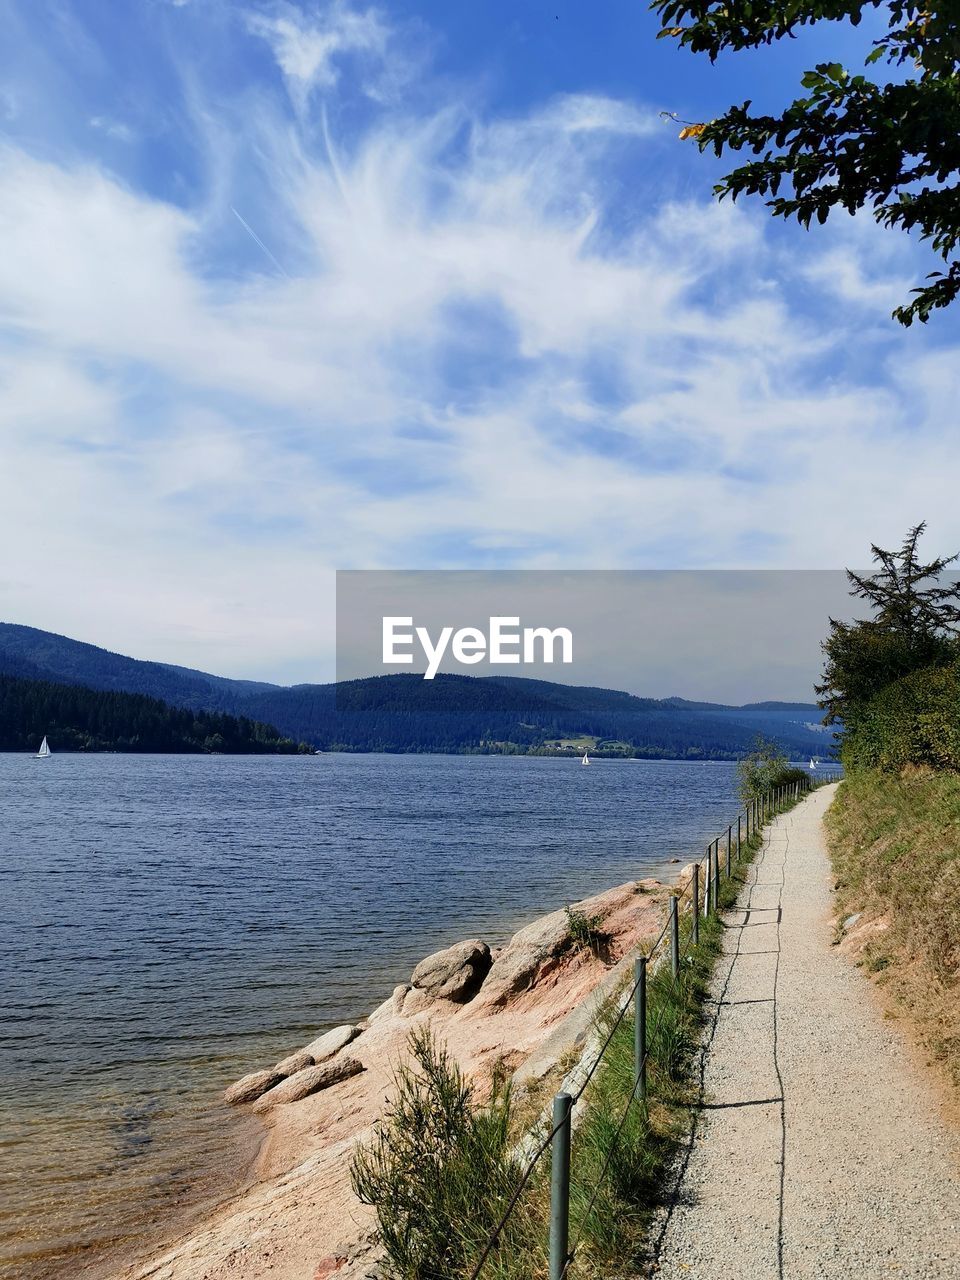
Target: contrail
(253, 235)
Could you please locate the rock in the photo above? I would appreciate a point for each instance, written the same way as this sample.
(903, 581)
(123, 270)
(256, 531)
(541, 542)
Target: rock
(684, 877)
(417, 1001)
(250, 1087)
(331, 1042)
(382, 1010)
(524, 959)
(455, 973)
(293, 1063)
(309, 1080)
(393, 1004)
(851, 920)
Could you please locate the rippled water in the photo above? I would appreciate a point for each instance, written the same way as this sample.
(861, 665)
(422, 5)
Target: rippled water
(167, 923)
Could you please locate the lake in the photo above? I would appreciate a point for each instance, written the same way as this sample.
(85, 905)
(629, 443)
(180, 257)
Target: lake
(168, 923)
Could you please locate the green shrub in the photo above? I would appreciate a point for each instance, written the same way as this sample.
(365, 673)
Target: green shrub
(914, 721)
(585, 930)
(439, 1169)
(763, 769)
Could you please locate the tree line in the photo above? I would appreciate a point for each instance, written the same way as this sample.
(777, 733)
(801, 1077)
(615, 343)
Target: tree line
(73, 718)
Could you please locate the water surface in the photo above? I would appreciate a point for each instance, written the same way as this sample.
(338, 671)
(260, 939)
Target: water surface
(168, 923)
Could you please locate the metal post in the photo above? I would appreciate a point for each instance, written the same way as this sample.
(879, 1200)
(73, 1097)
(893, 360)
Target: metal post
(640, 1027)
(560, 1186)
(716, 874)
(739, 841)
(674, 937)
(707, 886)
(696, 903)
(729, 849)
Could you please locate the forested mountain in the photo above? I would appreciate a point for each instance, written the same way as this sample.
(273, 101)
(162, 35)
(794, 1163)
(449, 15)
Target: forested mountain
(78, 719)
(451, 713)
(459, 713)
(42, 655)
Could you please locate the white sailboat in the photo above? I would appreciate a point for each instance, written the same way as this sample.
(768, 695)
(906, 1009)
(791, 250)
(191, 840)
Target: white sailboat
(813, 764)
(44, 749)
(586, 759)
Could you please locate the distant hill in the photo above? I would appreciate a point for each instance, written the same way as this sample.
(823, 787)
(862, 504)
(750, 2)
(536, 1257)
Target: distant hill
(401, 713)
(77, 719)
(43, 655)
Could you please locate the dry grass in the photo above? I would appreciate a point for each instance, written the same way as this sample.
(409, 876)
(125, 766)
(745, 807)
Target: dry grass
(895, 843)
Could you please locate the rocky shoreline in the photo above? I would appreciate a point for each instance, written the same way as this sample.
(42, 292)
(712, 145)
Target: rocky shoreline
(523, 1007)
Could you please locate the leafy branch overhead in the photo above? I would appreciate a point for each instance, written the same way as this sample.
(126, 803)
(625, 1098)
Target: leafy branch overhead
(888, 144)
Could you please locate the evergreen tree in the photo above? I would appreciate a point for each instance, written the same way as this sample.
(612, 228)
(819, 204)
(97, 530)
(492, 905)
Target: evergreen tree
(914, 625)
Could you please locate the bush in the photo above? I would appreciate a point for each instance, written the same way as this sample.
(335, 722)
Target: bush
(763, 769)
(914, 721)
(584, 930)
(439, 1170)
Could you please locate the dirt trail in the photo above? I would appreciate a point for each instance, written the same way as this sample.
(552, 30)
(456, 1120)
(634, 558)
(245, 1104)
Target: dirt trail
(819, 1152)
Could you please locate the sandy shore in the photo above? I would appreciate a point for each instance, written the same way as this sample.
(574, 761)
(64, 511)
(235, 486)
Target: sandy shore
(298, 1219)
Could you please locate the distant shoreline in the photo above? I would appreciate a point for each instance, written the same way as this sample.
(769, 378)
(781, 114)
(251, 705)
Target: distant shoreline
(638, 755)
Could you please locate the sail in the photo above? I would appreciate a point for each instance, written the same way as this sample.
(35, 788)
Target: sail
(586, 759)
(44, 748)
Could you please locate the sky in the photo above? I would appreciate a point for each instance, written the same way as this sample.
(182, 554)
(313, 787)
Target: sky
(287, 288)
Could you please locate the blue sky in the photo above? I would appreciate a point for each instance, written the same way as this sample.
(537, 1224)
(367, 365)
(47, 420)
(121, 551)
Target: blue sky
(291, 287)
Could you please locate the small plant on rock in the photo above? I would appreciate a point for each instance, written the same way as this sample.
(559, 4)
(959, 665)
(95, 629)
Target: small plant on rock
(584, 930)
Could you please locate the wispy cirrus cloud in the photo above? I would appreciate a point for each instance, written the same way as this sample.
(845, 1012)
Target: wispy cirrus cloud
(112, 128)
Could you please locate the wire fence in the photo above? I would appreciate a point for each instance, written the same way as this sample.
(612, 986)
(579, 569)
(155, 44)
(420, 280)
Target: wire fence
(698, 897)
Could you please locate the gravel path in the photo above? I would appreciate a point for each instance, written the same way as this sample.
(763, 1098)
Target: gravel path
(818, 1152)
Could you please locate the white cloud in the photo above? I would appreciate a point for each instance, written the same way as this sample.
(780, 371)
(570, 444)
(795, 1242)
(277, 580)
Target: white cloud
(584, 113)
(9, 103)
(309, 50)
(112, 128)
